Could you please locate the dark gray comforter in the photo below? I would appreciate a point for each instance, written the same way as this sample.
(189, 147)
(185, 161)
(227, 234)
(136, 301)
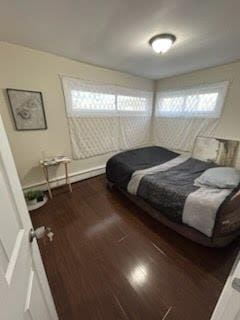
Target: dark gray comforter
(120, 167)
(166, 191)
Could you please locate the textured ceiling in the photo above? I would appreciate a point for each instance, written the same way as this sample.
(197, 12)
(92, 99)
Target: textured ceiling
(115, 33)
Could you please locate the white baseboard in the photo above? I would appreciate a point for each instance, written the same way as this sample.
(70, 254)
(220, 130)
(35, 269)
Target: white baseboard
(74, 177)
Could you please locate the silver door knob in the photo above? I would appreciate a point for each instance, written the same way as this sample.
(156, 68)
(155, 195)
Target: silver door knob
(40, 233)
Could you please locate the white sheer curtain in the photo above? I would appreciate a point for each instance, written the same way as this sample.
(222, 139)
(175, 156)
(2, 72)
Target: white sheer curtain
(92, 136)
(104, 118)
(180, 133)
(197, 102)
(182, 115)
(134, 131)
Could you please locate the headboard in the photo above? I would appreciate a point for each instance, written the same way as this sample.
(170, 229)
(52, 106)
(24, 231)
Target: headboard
(220, 151)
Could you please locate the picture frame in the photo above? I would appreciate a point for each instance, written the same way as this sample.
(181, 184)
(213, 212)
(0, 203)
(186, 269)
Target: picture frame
(27, 108)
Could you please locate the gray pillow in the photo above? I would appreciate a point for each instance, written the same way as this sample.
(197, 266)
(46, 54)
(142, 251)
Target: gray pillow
(221, 177)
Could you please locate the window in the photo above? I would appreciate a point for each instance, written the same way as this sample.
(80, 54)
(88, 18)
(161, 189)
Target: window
(84, 98)
(134, 104)
(201, 102)
(90, 101)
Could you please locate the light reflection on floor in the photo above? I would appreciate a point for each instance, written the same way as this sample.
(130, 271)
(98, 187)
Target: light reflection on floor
(102, 225)
(138, 276)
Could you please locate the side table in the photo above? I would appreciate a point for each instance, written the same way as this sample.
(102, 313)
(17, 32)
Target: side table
(45, 164)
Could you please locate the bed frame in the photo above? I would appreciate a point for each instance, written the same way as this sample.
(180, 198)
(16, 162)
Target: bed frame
(227, 227)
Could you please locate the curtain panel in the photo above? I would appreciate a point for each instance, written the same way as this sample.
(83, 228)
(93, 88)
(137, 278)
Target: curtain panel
(182, 115)
(105, 118)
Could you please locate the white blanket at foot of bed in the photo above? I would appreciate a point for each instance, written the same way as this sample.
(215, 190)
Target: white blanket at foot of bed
(139, 174)
(201, 207)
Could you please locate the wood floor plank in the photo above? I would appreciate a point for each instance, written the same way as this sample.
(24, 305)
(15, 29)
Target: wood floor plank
(110, 260)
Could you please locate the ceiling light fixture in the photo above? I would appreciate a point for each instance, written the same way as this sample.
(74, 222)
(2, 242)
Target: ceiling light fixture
(162, 42)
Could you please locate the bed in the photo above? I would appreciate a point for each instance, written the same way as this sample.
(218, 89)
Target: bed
(161, 182)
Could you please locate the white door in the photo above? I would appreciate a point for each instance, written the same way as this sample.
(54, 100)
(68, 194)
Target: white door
(24, 290)
(228, 306)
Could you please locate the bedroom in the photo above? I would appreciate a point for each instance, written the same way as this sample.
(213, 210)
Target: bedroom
(101, 92)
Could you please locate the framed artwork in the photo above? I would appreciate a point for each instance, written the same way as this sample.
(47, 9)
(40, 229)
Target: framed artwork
(27, 109)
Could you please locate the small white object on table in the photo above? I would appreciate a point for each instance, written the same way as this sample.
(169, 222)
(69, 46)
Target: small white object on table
(45, 164)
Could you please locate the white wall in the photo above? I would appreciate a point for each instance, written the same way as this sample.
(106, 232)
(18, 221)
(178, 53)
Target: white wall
(229, 126)
(24, 68)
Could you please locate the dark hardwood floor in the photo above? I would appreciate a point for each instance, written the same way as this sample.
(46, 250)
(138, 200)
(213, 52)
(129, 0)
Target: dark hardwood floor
(110, 260)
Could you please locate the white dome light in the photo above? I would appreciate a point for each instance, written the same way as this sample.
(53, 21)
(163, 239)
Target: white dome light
(162, 43)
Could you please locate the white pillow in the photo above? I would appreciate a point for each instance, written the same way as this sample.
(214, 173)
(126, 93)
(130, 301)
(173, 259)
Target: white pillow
(221, 177)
